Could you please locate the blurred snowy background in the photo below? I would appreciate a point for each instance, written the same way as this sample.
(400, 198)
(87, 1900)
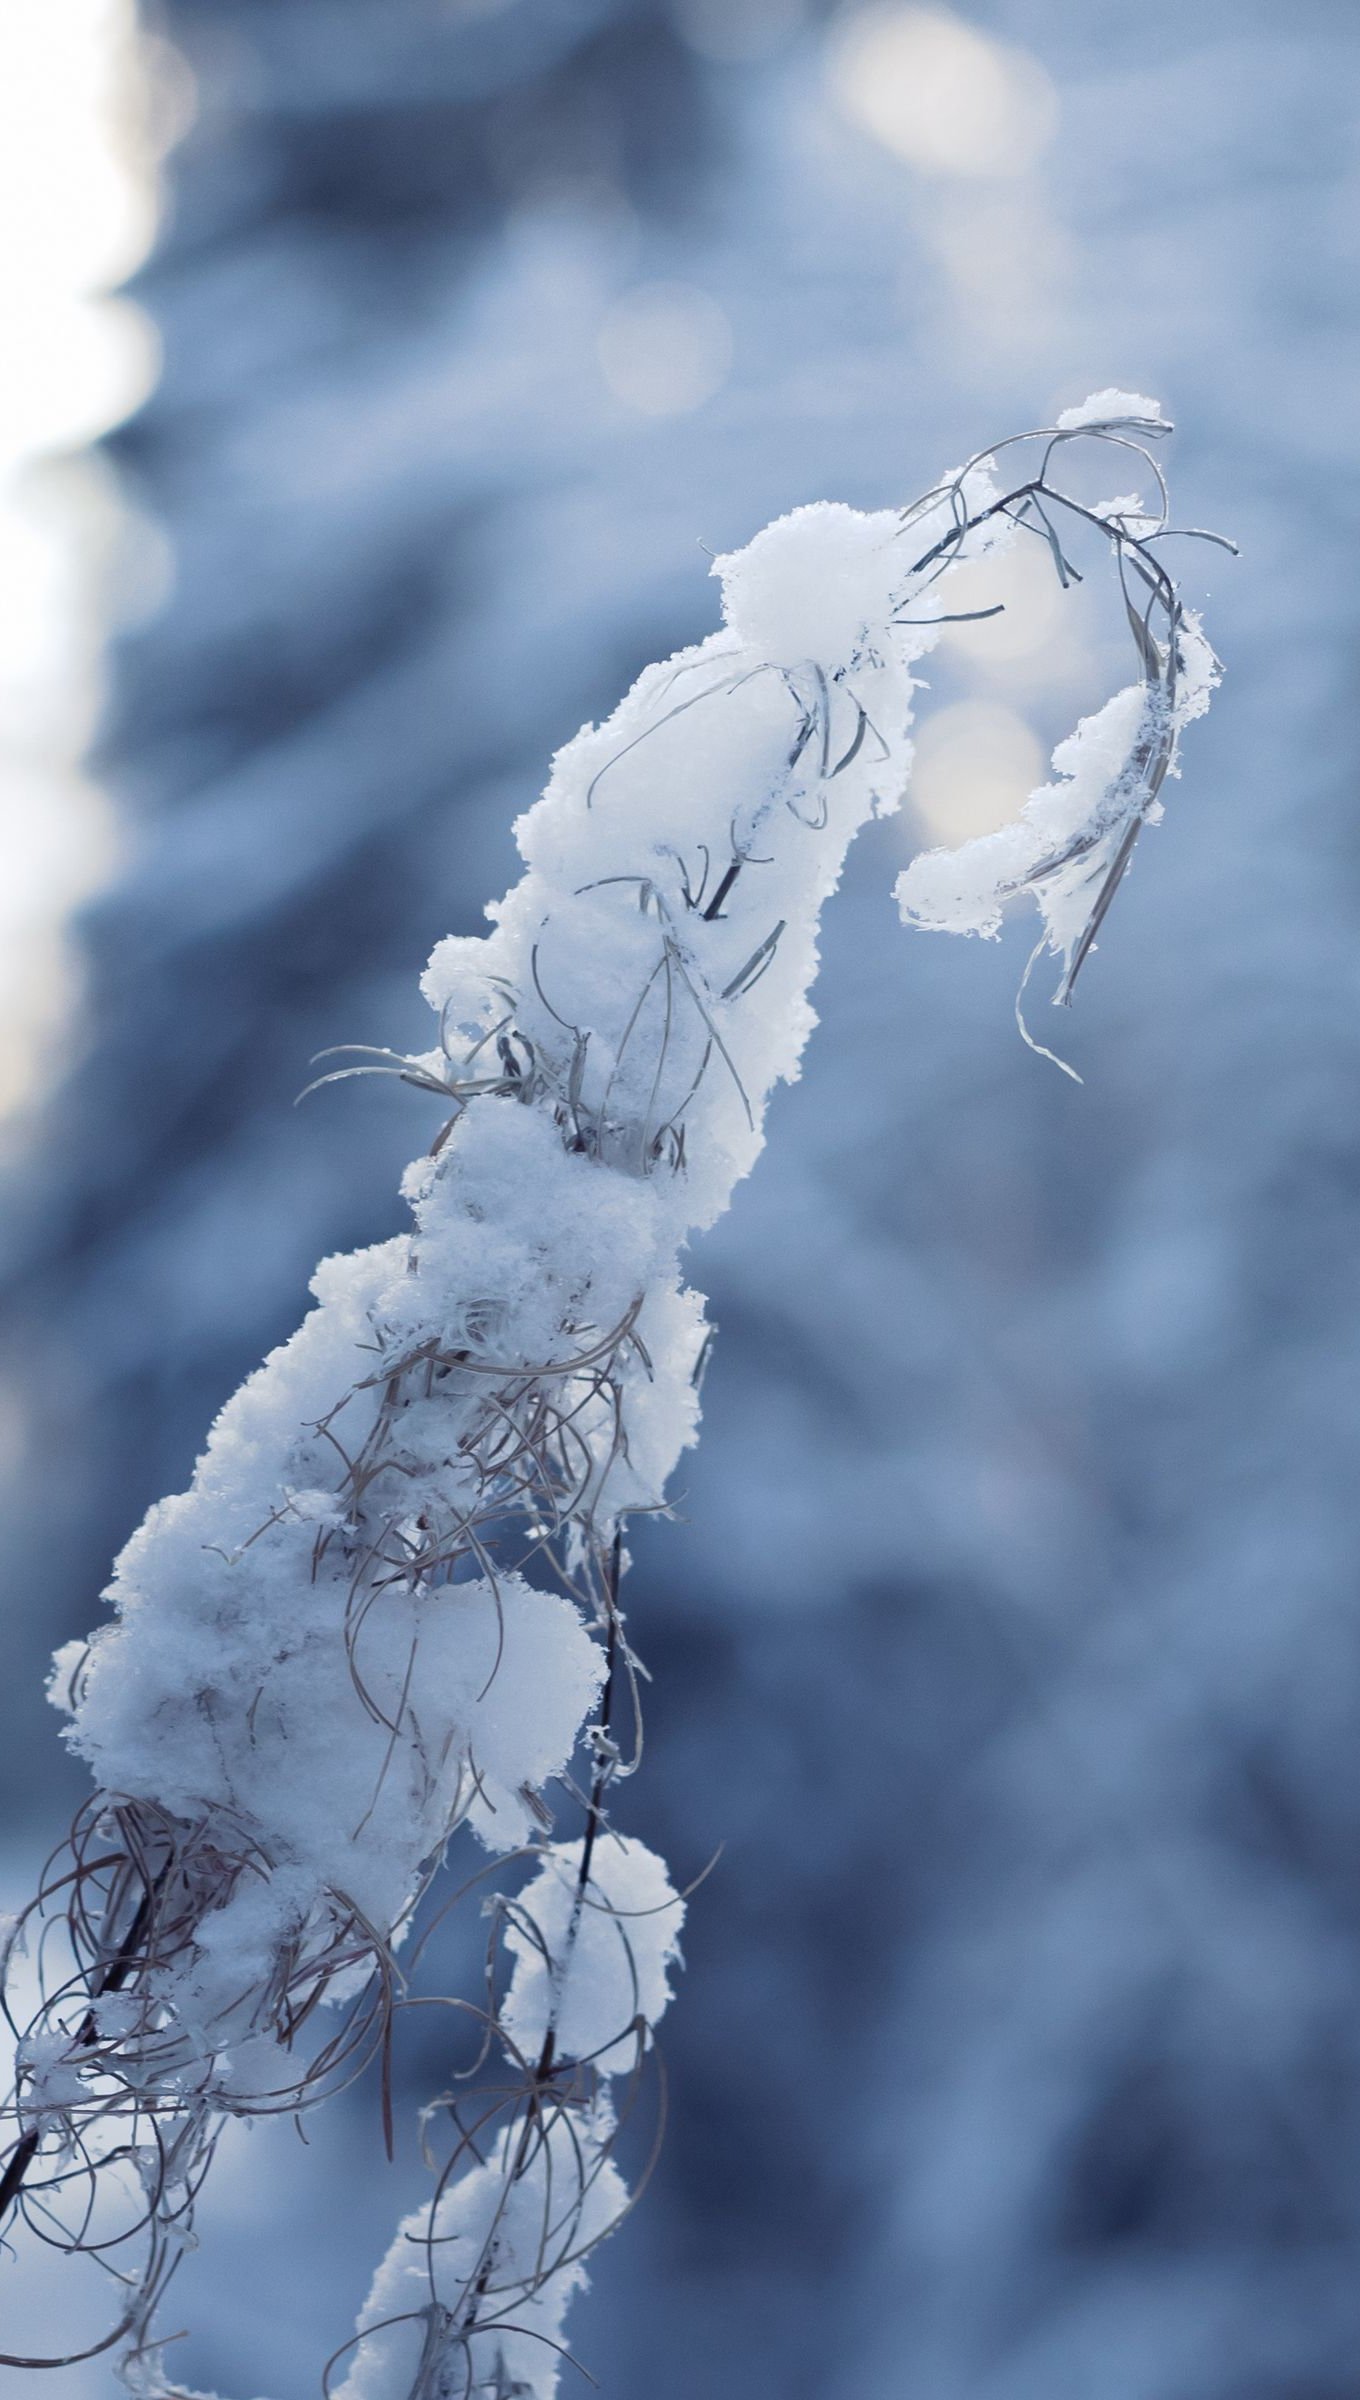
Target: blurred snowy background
(1010, 1640)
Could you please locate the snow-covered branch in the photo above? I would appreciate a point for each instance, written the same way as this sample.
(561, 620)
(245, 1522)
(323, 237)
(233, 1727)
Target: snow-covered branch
(389, 1603)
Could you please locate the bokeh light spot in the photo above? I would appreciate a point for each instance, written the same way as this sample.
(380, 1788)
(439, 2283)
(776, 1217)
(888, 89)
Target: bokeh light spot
(976, 765)
(941, 94)
(665, 348)
(1023, 583)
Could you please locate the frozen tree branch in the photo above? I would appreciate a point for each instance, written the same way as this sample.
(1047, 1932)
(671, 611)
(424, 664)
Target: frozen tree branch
(389, 1604)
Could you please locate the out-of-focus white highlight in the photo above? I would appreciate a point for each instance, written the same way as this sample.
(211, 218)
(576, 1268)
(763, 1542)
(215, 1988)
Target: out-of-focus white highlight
(1022, 582)
(77, 204)
(976, 765)
(665, 348)
(77, 218)
(56, 827)
(939, 93)
(1005, 254)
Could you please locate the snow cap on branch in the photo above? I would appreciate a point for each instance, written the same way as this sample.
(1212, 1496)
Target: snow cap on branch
(472, 2295)
(593, 1964)
(1113, 408)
